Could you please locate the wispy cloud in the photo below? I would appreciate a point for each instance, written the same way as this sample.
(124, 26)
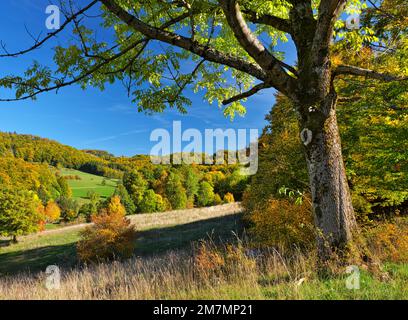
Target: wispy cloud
(114, 137)
(122, 108)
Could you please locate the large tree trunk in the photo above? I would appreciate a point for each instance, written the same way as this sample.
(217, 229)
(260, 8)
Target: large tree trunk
(333, 210)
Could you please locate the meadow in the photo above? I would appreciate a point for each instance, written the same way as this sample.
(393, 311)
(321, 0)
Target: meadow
(185, 254)
(157, 233)
(105, 187)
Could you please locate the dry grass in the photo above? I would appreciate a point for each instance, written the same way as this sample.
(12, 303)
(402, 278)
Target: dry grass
(235, 273)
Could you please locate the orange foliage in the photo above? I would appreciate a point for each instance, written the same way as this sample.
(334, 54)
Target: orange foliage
(52, 211)
(282, 223)
(211, 260)
(389, 241)
(111, 236)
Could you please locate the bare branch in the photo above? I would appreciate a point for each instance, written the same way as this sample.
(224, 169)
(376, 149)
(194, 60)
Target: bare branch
(356, 71)
(39, 43)
(247, 94)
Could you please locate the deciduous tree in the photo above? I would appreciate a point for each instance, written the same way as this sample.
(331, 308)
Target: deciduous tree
(222, 39)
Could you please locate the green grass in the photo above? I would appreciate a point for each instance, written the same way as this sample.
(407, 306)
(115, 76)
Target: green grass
(89, 182)
(36, 252)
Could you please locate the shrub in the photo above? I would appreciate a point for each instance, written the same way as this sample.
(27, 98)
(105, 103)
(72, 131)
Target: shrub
(281, 223)
(217, 199)
(389, 241)
(87, 210)
(229, 198)
(69, 208)
(111, 236)
(222, 261)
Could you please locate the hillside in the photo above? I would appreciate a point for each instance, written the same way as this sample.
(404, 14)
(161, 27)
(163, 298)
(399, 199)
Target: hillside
(35, 149)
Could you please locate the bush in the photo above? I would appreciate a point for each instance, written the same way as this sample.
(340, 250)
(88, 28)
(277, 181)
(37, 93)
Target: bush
(111, 236)
(229, 198)
(212, 261)
(389, 241)
(217, 199)
(281, 223)
(69, 208)
(87, 210)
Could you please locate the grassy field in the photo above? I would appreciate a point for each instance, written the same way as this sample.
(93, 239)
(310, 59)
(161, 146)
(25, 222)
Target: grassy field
(164, 266)
(157, 234)
(89, 182)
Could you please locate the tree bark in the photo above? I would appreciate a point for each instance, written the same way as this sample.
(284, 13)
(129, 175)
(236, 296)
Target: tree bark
(332, 206)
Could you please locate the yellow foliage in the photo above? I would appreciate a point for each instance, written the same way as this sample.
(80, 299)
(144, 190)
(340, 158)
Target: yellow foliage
(217, 199)
(229, 197)
(52, 211)
(282, 223)
(116, 207)
(389, 241)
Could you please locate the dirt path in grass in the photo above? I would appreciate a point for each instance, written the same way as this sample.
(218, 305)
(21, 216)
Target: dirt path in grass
(168, 218)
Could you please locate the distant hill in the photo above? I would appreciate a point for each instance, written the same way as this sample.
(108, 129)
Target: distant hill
(34, 149)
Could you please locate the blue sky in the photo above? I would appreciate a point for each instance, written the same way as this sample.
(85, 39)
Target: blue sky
(95, 119)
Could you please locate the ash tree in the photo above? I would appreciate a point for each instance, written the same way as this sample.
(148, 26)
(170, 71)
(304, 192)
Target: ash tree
(230, 47)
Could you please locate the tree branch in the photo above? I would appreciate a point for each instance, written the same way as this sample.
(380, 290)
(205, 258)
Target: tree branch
(94, 68)
(79, 78)
(247, 94)
(39, 43)
(329, 11)
(356, 71)
(269, 20)
(277, 76)
(188, 44)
